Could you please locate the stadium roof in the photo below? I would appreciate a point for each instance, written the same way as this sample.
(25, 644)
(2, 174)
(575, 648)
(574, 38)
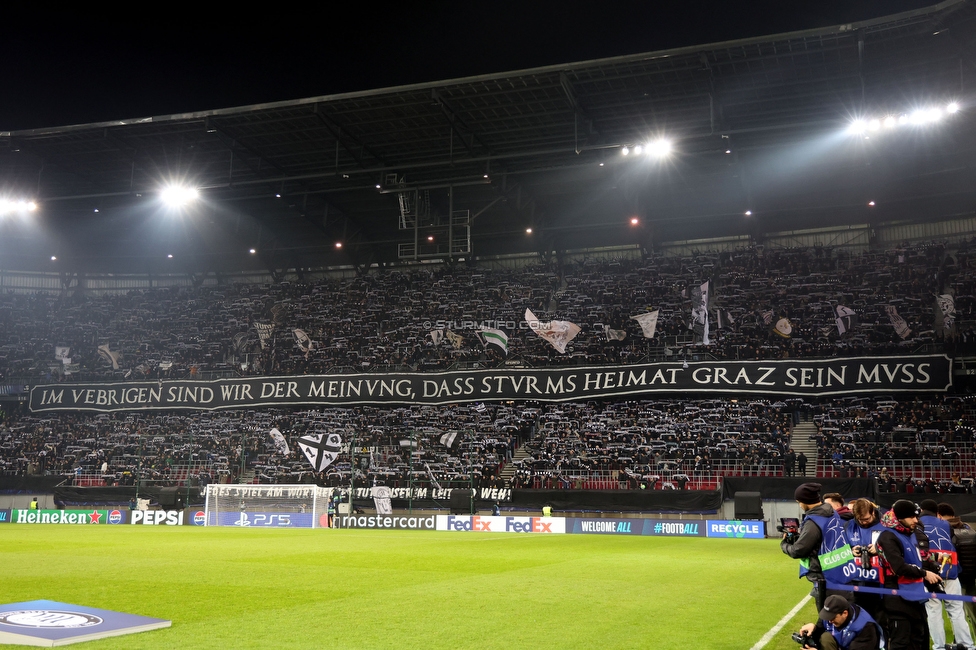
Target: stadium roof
(757, 125)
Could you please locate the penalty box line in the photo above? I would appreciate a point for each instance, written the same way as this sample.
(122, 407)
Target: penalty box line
(768, 636)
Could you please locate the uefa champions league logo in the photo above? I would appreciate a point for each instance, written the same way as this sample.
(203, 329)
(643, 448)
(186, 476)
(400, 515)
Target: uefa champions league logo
(48, 618)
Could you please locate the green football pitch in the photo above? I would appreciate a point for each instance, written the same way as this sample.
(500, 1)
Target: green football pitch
(284, 588)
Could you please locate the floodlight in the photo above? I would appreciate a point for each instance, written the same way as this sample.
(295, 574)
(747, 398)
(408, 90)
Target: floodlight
(857, 127)
(634, 221)
(935, 114)
(338, 244)
(918, 117)
(871, 203)
(625, 151)
(874, 125)
(9, 206)
(178, 195)
(953, 107)
(252, 251)
(748, 213)
(890, 122)
(169, 256)
(54, 258)
(659, 148)
(638, 149)
(528, 231)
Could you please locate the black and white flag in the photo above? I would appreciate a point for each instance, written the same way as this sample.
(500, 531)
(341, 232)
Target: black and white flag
(699, 312)
(264, 333)
(61, 353)
(946, 310)
(110, 356)
(239, 342)
(436, 336)
(449, 439)
(281, 445)
(320, 449)
(845, 318)
(303, 341)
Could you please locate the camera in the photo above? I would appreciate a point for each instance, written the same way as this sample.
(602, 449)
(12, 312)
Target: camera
(790, 527)
(805, 640)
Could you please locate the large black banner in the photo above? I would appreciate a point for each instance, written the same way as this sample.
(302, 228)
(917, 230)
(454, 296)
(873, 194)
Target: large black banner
(844, 376)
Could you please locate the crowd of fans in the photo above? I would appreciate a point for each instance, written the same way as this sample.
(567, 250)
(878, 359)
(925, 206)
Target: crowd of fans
(636, 444)
(407, 320)
(383, 321)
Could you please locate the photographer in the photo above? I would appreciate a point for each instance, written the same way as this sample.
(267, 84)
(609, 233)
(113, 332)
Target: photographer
(862, 533)
(943, 552)
(844, 626)
(902, 568)
(821, 533)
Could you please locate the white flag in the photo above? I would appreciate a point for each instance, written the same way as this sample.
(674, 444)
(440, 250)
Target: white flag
(112, 357)
(648, 323)
(281, 445)
(783, 328)
(494, 337)
(61, 352)
(437, 336)
(614, 335)
(320, 449)
(699, 312)
(381, 499)
(557, 332)
(901, 327)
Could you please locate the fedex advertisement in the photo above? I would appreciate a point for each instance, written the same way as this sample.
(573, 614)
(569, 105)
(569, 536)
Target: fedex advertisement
(477, 524)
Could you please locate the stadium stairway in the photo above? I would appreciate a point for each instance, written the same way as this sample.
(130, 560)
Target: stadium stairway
(801, 440)
(508, 471)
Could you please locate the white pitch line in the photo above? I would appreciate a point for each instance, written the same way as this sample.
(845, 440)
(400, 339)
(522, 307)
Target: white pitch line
(768, 636)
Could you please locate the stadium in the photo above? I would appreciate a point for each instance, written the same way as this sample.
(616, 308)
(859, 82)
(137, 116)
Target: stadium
(532, 358)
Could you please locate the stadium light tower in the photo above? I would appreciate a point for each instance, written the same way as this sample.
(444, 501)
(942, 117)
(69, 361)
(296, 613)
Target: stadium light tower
(178, 196)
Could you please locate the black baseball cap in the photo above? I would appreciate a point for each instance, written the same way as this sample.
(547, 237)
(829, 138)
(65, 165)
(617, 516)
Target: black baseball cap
(833, 606)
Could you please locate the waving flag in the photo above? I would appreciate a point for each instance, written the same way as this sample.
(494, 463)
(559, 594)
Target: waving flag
(281, 445)
(699, 312)
(901, 327)
(846, 319)
(494, 337)
(303, 340)
(264, 333)
(557, 332)
(614, 335)
(648, 323)
(320, 449)
(112, 357)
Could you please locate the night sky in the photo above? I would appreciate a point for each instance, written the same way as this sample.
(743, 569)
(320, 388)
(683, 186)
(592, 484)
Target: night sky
(81, 69)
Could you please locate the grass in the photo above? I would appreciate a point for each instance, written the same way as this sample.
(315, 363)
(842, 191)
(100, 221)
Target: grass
(284, 588)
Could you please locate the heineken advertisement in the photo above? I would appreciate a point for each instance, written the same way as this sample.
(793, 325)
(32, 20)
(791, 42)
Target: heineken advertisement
(842, 376)
(78, 517)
